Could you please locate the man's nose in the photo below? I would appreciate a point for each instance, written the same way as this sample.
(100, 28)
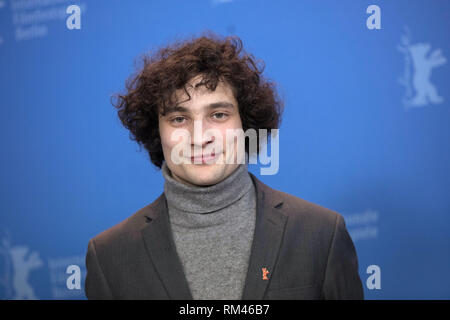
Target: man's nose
(200, 139)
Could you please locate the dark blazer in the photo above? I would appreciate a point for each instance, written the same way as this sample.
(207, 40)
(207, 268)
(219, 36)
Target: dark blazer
(305, 248)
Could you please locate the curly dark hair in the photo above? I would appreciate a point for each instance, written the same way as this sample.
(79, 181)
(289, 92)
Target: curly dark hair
(150, 90)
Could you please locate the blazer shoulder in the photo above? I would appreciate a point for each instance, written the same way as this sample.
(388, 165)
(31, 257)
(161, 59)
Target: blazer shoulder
(128, 229)
(297, 208)
(301, 208)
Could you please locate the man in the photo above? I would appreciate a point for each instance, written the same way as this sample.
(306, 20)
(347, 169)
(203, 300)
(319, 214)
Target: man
(216, 232)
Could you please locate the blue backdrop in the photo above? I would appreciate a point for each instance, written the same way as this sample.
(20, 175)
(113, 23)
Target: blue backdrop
(365, 130)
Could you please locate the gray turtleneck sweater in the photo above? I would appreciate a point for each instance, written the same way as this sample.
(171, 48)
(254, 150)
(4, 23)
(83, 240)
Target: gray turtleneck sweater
(213, 232)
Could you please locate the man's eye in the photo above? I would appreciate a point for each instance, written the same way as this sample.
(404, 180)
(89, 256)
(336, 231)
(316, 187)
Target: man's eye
(219, 115)
(177, 120)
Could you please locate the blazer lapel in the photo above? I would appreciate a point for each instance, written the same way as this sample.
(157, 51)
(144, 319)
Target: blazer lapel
(268, 235)
(269, 230)
(161, 248)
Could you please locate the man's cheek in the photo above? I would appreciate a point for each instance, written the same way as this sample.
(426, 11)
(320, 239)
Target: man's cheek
(180, 151)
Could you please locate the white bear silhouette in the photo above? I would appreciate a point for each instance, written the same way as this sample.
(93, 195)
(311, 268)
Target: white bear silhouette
(423, 65)
(23, 264)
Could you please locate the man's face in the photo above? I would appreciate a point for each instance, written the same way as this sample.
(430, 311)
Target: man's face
(213, 111)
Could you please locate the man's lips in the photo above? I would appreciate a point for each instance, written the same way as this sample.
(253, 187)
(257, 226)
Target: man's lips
(204, 158)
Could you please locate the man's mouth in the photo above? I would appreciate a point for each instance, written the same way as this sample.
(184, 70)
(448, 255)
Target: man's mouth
(203, 158)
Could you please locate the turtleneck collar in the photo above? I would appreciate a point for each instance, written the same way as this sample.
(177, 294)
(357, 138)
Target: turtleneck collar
(196, 199)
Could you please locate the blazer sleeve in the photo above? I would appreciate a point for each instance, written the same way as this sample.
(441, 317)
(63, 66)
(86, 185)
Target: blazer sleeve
(95, 286)
(342, 279)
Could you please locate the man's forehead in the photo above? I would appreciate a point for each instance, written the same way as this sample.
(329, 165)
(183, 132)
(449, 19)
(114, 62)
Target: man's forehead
(197, 89)
(195, 81)
(201, 97)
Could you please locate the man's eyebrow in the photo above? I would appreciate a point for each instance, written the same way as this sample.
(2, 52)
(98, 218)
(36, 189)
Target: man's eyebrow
(221, 104)
(177, 108)
(214, 105)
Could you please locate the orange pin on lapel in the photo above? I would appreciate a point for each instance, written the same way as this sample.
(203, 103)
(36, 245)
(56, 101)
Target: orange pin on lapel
(264, 275)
